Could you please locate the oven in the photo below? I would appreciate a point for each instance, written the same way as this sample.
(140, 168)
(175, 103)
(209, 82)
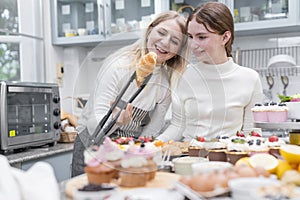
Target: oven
(29, 115)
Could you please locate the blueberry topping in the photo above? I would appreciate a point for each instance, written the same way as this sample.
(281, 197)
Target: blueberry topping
(251, 142)
(273, 104)
(258, 104)
(258, 142)
(282, 104)
(266, 104)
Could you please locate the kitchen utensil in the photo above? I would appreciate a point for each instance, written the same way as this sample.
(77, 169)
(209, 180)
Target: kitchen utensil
(270, 82)
(285, 82)
(100, 132)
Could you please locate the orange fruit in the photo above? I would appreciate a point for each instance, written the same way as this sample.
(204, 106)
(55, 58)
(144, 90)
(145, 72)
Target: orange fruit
(291, 153)
(282, 167)
(243, 161)
(267, 161)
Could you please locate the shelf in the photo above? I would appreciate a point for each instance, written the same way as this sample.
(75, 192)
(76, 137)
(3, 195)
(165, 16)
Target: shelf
(278, 126)
(280, 71)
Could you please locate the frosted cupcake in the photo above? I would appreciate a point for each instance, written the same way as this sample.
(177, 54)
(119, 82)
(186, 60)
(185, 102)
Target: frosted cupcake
(216, 150)
(257, 145)
(97, 171)
(277, 113)
(110, 153)
(236, 149)
(274, 143)
(132, 171)
(260, 113)
(197, 148)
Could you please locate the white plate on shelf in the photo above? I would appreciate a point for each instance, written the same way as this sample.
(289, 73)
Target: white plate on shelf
(147, 194)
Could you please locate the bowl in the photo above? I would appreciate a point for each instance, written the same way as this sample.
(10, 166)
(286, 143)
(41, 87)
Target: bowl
(205, 167)
(281, 60)
(293, 110)
(246, 188)
(183, 165)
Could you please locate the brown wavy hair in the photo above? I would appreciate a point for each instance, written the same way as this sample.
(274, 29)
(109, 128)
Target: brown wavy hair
(218, 18)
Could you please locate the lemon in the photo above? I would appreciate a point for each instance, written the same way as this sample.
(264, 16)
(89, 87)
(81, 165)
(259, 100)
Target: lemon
(243, 161)
(267, 161)
(282, 167)
(291, 153)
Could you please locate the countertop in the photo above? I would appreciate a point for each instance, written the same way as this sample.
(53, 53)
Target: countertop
(39, 152)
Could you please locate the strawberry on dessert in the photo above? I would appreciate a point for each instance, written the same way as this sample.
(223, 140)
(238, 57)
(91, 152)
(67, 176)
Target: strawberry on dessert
(255, 134)
(200, 139)
(273, 138)
(240, 134)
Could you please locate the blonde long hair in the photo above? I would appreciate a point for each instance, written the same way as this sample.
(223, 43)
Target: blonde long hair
(139, 48)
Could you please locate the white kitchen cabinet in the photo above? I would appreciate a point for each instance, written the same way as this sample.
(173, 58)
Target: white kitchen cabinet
(256, 16)
(265, 17)
(88, 22)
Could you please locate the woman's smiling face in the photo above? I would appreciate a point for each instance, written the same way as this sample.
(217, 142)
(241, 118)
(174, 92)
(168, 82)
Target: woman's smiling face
(207, 46)
(165, 40)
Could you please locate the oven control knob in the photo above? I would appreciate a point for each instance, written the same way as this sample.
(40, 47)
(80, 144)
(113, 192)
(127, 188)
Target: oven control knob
(56, 99)
(56, 112)
(56, 125)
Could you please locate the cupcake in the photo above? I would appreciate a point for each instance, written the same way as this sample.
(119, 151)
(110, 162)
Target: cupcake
(132, 171)
(153, 156)
(96, 170)
(216, 150)
(196, 147)
(257, 145)
(236, 149)
(274, 143)
(260, 113)
(277, 113)
(110, 153)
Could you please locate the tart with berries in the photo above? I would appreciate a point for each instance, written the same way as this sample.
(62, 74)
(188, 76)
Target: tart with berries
(236, 149)
(196, 147)
(274, 143)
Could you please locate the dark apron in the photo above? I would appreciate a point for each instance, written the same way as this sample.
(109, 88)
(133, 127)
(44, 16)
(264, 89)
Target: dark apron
(82, 141)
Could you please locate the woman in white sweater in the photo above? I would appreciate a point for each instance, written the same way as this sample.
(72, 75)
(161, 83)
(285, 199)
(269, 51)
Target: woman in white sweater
(165, 36)
(215, 95)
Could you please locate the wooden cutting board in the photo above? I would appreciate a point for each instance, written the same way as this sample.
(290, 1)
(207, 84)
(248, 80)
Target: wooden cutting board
(161, 180)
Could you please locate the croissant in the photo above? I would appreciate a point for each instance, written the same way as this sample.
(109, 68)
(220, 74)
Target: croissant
(145, 66)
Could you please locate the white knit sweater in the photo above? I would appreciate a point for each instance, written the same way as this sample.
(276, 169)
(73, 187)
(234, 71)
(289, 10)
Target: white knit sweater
(212, 100)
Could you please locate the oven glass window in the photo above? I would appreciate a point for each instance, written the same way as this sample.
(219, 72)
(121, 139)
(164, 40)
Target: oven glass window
(28, 113)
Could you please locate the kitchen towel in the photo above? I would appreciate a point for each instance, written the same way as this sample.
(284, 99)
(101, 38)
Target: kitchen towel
(36, 183)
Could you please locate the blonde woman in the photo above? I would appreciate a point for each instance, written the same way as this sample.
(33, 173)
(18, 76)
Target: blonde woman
(165, 36)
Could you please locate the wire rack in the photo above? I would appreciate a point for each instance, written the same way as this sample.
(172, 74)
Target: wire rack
(257, 59)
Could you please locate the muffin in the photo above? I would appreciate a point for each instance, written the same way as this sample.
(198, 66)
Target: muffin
(260, 113)
(236, 149)
(277, 113)
(257, 145)
(216, 151)
(98, 174)
(132, 171)
(196, 147)
(274, 143)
